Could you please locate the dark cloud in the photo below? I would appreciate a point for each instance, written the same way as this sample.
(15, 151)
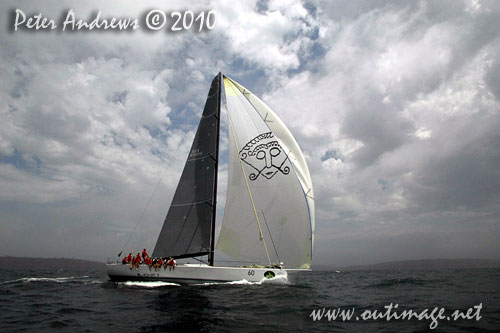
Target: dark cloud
(463, 171)
(380, 129)
(411, 105)
(492, 78)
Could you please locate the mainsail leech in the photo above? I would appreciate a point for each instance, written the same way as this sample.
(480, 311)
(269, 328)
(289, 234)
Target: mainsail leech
(211, 256)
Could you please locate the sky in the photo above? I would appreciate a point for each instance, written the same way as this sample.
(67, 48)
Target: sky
(396, 106)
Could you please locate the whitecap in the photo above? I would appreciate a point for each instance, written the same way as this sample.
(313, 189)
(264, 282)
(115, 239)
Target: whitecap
(277, 280)
(47, 279)
(243, 282)
(147, 284)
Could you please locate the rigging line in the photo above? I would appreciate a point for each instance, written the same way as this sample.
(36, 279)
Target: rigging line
(267, 225)
(248, 187)
(200, 260)
(151, 197)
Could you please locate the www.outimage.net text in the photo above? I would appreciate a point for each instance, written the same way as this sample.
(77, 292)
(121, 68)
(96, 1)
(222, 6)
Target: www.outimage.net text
(391, 312)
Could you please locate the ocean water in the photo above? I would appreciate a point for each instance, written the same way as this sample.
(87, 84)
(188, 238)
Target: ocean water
(85, 301)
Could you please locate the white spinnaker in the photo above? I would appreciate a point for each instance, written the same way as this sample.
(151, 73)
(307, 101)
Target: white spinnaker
(269, 197)
(288, 142)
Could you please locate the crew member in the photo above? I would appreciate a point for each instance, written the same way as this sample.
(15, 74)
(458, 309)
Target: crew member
(171, 263)
(137, 260)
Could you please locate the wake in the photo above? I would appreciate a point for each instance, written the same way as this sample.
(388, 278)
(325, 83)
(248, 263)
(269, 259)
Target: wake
(278, 280)
(147, 284)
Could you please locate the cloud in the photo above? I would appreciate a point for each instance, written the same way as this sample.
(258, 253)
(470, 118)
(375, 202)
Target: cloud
(411, 111)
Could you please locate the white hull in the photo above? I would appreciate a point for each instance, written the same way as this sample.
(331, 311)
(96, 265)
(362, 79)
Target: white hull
(191, 274)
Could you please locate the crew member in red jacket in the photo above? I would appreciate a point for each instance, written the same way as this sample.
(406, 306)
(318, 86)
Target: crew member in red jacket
(171, 263)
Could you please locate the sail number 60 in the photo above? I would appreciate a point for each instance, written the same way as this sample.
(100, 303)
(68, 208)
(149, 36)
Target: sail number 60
(251, 272)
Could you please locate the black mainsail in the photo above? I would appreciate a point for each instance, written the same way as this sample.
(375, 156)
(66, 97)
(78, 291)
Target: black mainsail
(189, 227)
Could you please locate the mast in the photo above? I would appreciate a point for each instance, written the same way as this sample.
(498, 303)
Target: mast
(216, 168)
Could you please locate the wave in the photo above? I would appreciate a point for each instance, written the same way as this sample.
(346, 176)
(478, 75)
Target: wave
(147, 284)
(243, 282)
(400, 281)
(278, 280)
(64, 279)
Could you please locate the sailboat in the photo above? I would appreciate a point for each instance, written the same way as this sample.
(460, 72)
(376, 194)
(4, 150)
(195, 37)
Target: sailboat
(269, 213)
